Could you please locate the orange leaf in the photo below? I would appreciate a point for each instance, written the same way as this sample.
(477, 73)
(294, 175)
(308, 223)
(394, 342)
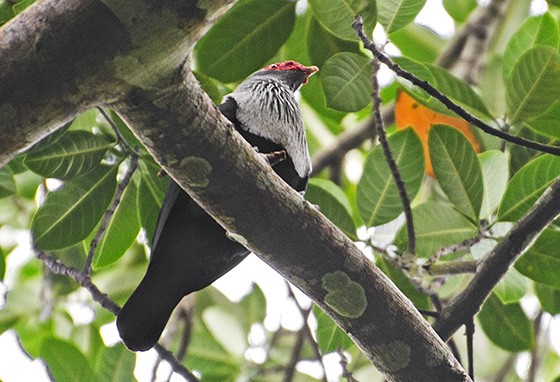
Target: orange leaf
(409, 112)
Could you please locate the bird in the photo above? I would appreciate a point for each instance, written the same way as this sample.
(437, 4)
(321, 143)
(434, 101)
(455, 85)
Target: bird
(190, 250)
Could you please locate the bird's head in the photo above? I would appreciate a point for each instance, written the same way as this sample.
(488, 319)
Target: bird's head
(292, 73)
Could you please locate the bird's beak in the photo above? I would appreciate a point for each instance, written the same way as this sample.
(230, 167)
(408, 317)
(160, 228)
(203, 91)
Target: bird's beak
(309, 70)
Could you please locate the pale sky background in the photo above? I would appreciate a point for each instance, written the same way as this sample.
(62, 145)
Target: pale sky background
(15, 366)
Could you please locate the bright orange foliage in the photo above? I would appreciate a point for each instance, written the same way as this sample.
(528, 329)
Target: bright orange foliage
(409, 112)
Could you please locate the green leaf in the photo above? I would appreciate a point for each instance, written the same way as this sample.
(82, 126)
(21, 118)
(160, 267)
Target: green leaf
(418, 42)
(535, 31)
(226, 329)
(6, 12)
(252, 308)
(151, 192)
(506, 325)
(333, 204)
(512, 287)
(549, 298)
(420, 300)
(121, 231)
(533, 84)
(547, 123)
(527, 185)
(209, 87)
(65, 361)
(115, 364)
(459, 10)
(494, 165)
(337, 16)
(71, 213)
(395, 14)
(248, 35)
(20, 6)
(457, 169)
(377, 196)
(74, 153)
(7, 183)
(457, 90)
(436, 225)
(346, 79)
(542, 261)
(321, 44)
(329, 336)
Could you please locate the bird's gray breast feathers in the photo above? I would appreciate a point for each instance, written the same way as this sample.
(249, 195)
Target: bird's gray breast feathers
(267, 108)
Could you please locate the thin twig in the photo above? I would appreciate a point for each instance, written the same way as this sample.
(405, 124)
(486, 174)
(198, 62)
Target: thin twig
(469, 331)
(305, 316)
(464, 245)
(346, 374)
(121, 139)
(425, 85)
(109, 214)
(380, 127)
(290, 370)
(452, 268)
(102, 299)
(535, 361)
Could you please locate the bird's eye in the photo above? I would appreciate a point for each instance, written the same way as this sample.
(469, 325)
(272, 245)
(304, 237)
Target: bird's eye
(273, 66)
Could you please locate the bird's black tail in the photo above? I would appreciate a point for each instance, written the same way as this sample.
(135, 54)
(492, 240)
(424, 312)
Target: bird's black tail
(190, 251)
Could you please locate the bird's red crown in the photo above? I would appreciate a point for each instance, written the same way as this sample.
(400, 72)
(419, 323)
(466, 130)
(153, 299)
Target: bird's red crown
(293, 65)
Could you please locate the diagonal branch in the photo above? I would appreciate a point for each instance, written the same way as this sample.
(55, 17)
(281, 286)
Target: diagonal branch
(495, 265)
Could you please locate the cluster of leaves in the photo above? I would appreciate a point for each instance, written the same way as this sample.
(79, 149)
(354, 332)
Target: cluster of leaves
(470, 192)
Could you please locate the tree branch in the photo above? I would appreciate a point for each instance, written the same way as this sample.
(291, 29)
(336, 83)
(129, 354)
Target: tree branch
(495, 264)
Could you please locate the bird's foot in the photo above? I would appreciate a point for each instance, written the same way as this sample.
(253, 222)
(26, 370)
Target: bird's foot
(275, 157)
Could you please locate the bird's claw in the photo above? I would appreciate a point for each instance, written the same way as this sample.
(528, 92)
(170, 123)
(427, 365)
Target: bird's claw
(275, 157)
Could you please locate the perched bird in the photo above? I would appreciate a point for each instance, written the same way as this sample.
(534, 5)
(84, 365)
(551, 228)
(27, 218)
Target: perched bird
(190, 250)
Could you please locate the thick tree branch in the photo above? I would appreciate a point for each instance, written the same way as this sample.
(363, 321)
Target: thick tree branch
(197, 147)
(495, 265)
(60, 58)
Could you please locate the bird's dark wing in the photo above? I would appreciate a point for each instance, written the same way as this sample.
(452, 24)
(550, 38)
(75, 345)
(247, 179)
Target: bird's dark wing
(189, 252)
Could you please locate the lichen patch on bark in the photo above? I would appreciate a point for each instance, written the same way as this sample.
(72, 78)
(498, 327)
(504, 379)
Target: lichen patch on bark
(197, 171)
(345, 296)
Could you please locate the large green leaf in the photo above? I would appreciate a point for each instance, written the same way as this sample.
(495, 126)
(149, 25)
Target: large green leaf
(346, 79)
(321, 44)
(506, 325)
(459, 9)
(71, 213)
(115, 364)
(533, 84)
(333, 204)
(329, 336)
(2, 264)
(121, 231)
(418, 42)
(436, 225)
(494, 165)
(457, 90)
(377, 196)
(549, 298)
(527, 185)
(65, 361)
(74, 153)
(548, 123)
(535, 31)
(542, 261)
(337, 15)
(512, 287)
(395, 14)
(245, 38)
(457, 169)
(7, 183)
